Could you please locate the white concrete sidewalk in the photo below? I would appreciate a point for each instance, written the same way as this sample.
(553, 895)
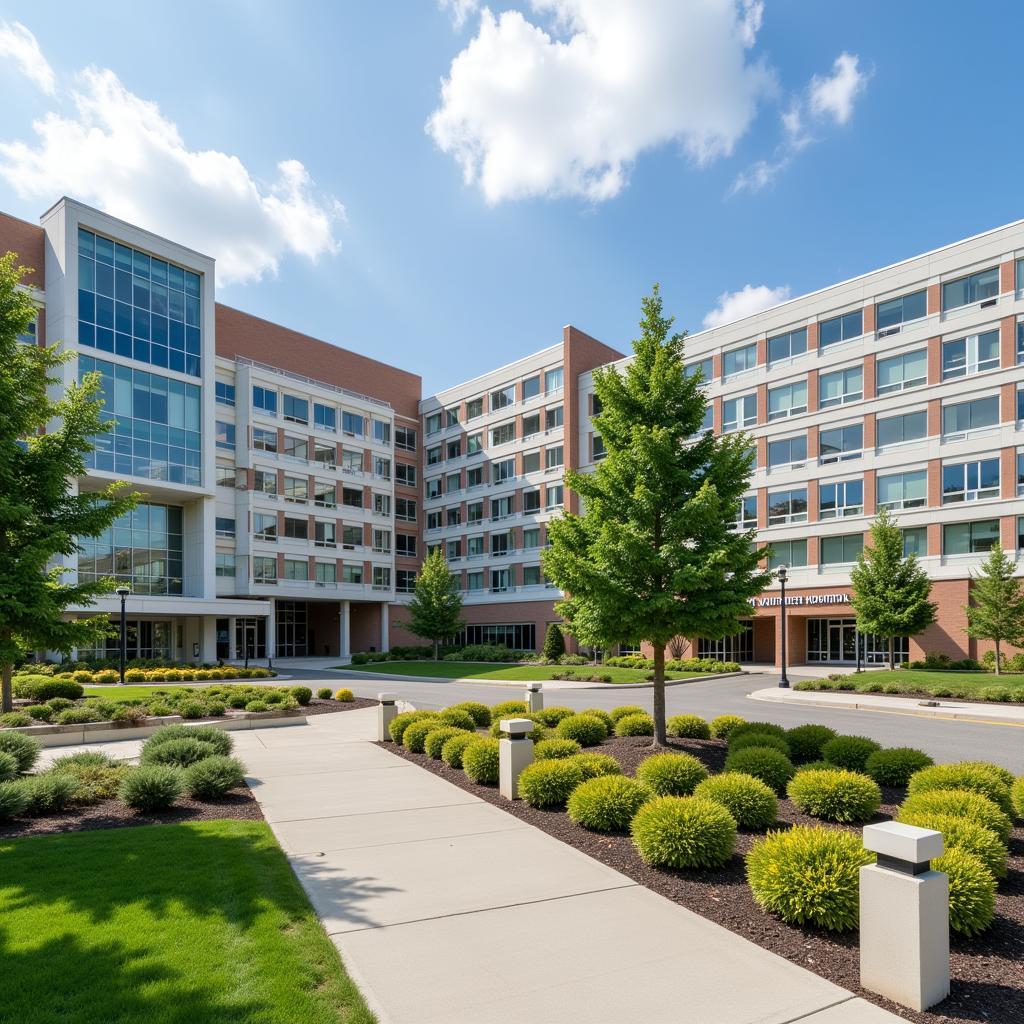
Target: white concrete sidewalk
(447, 909)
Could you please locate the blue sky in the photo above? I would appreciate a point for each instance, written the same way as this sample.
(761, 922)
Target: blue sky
(609, 144)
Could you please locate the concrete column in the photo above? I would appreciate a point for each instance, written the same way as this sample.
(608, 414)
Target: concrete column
(232, 641)
(272, 631)
(515, 752)
(344, 629)
(534, 697)
(207, 640)
(385, 644)
(904, 916)
(386, 713)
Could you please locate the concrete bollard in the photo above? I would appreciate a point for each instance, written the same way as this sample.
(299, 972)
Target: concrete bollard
(515, 752)
(904, 916)
(534, 697)
(386, 713)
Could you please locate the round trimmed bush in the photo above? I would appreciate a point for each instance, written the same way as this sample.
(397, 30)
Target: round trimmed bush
(59, 703)
(509, 709)
(805, 741)
(213, 776)
(15, 719)
(549, 783)
(814, 766)
(47, 794)
(965, 775)
(723, 726)
(635, 725)
(966, 835)
(549, 750)
(997, 769)
(771, 767)
(586, 730)
(480, 713)
(402, 721)
(221, 740)
(8, 766)
(552, 716)
(849, 752)
(688, 727)
(625, 709)
(323, 693)
(76, 716)
(765, 728)
(151, 787)
(893, 766)
(437, 737)
(303, 694)
(415, 736)
(683, 832)
(457, 717)
(753, 804)
(180, 752)
(24, 749)
(809, 875)
(671, 774)
(13, 799)
(972, 891)
(595, 765)
(835, 795)
(253, 706)
(1017, 797)
(344, 694)
(451, 752)
(759, 739)
(42, 688)
(961, 803)
(609, 722)
(480, 761)
(608, 803)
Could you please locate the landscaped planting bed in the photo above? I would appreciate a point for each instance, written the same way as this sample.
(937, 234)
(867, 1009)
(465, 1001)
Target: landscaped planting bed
(944, 684)
(988, 982)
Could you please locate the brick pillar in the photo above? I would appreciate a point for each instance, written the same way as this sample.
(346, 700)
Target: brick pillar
(869, 374)
(934, 299)
(870, 492)
(869, 319)
(934, 483)
(762, 403)
(1007, 342)
(812, 391)
(812, 501)
(934, 360)
(1008, 473)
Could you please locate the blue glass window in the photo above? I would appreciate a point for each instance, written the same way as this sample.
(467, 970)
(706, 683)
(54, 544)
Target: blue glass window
(840, 328)
(225, 393)
(264, 399)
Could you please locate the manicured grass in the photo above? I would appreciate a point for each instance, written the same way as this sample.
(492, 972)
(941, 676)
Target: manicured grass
(130, 692)
(164, 924)
(980, 685)
(526, 673)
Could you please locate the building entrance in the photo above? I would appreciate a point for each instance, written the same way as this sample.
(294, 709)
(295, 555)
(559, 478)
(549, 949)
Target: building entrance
(836, 641)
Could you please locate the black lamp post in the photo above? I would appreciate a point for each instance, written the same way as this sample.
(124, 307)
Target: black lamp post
(784, 680)
(123, 592)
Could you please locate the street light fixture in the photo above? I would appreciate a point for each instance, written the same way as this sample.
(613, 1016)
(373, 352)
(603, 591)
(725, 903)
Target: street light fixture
(123, 592)
(782, 572)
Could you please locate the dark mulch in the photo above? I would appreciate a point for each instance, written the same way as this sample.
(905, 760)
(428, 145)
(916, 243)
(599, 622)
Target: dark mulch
(328, 707)
(987, 972)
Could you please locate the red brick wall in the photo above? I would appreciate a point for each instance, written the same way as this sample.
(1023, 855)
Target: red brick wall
(25, 239)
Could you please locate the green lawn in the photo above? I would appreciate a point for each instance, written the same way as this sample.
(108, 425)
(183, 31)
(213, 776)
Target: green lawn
(198, 923)
(978, 685)
(526, 673)
(131, 692)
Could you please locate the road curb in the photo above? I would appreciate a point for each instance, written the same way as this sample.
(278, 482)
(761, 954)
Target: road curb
(518, 683)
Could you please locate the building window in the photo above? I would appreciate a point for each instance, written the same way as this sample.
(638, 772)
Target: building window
(501, 543)
(325, 494)
(381, 577)
(531, 538)
(352, 538)
(531, 462)
(296, 488)
(452, 483)
(432, 424)
(903, 490)
(898, 373)
(264, 399)
(405, 544)
(841, 387)
(453, 551)
(708, 423)
(451, 416)
(475, 547)
(326, 573)
(296, 410)
(352, 497)
(225, 393)
(381, 468)
(381, 432)
(434, 454)
(553, 458)
(264, 569)
(405, 581)
(296, 447)
(296, 569)
(265, 482)
(474, 408)
(503, 433)
(434, 520)
(325, 534)
(503, 398)
(475, 477)
(893, 430)
(840, 328)
(225, 436)
(474, 581)
(405, 439)
(382, 541)
(915, 541)
(453, 449)
(893, 312)
(224, 564)
(598, 449)
(974, 354)
(531, 576)
(554, 418)
(405, 474)
(787, 400)
(787, 346)
(841, 550)
(225, 476)
(405, 510)
(351, 573)
(352, 424)
(969, 538)
(841, 499)
(225, 527)
(974, 288)
(296, 529)
(499, 581)
(746, 515)
(739, 360)
(531, 387)
(840, 444)
(516, 637)
(738, 413)
(970, 481)
(264, 440)
(531, 501)
(789, 451)
(792, 553)
(325, 417)
(555, 497)
(960, 419)
(787, 507)
(501, 508)
(703, 368)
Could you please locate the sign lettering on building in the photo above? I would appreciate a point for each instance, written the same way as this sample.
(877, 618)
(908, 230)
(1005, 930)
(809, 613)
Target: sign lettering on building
(798, 600)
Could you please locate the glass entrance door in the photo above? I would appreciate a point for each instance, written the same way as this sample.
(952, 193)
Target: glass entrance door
(836, 641)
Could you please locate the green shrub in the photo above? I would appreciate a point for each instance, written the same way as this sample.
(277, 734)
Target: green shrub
(8, 766)
(76, 716)
(671, 774)
(95, 776)
(323, 693)
(809, 875)
(13, 799)
(509, 709)
(966, 775)
(458, 718)
(47, 794)
(178, 752)
(849, 752)
(835, 795)
(972, 891)
(723, 726)
(42, 688)
(1017, 797)
(549, 750)
(683, 832)
(451, 752)
(151, 787)
(195, 709)
(586, 730)
(635, 725)
(24, 749)
(216, 709)
(998, 770)
(966, 835)
(689, 727)
(552, 716)
(606, 718)
(608, 803)
(594, 765)
(625, 709)
(220, 739)
(554, 643)
(805, 741)
(135, 675)
(549, 783)
(436, 738)
(344, 694)
(213, 776)
(771, 767)
(480, 761)
(759, 739)
(131, 715)
(752, 803)
(303, 694)
(480, 713)
(15, 720)
(893, 766)
(402, 721)
(961, 803)
(59, 703)
(415, 735)
(764, 728)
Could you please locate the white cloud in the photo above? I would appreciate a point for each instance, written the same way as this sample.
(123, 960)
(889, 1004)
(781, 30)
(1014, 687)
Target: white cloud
(19, 45)
(750, 299)
(529, 111)
(120, 153)
(833, 96)
(459, 10)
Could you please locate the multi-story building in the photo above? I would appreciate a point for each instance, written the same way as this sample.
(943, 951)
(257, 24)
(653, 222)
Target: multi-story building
(291, 487)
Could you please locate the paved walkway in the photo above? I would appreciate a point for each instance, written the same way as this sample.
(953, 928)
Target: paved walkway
(447, 910)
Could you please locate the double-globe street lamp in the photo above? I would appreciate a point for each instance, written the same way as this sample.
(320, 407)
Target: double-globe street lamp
(782, 572)
(123, 592)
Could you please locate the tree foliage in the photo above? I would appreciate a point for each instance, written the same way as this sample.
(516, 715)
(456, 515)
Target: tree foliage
(890, 589)
(45, 432)
(655, 553)
(996, 610)
(435, 612)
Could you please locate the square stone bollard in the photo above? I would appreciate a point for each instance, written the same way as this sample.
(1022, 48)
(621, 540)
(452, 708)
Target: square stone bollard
(534, 697)
(515, 752)
(386, 713)
(904, 916)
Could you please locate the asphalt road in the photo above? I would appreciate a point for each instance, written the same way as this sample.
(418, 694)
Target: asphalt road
(943, 740)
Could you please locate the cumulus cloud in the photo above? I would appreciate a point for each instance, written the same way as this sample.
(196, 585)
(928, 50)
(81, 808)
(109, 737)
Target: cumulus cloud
(459, 11)
(833, 95)
(121, 154)
(750, 299)
(563, 104)
(19, 45)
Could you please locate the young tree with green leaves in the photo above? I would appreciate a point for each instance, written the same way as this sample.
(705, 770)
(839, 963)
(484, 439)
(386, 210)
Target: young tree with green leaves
(554, 643)
(655, 553)
(996, 608)
(436, 608)
(40, 519)
(890, 589)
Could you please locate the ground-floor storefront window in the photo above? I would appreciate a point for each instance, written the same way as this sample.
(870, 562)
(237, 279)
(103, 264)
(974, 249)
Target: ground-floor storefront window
(517, 636)
(292, 629)
(146, 639)
(837, 640)
(739, 647)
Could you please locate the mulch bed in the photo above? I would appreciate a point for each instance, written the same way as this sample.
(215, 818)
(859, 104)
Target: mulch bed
(987, 972)
(329, 707)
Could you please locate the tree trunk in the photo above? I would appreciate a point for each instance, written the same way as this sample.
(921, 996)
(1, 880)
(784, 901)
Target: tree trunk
(892, 653)
(659, 696)
(6, 689)
(998, 672)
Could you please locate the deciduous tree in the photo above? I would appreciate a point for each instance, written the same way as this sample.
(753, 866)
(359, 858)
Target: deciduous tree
(435, 612)
(996, 608)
